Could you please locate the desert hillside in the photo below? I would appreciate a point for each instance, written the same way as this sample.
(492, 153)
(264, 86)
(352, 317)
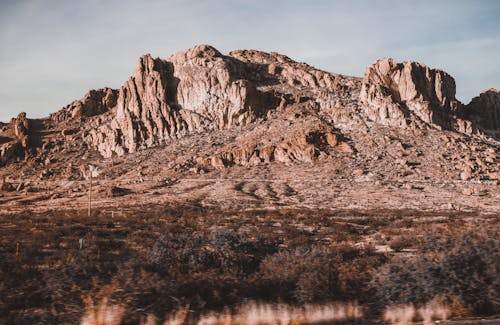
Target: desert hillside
(256, 129)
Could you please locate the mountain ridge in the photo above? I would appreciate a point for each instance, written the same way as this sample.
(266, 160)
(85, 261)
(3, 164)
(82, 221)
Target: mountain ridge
(199, 112)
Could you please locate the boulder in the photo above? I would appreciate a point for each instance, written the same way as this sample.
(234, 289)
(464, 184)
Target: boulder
(20, 141)
(6, 186)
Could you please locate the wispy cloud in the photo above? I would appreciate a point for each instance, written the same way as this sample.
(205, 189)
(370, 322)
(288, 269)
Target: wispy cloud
(52, 52)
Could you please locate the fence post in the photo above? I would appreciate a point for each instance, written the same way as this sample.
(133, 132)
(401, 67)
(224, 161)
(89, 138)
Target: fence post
(90, 192)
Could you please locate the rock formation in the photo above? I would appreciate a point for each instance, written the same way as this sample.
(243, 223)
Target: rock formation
(94, 102)
(296, 74)
(303, 146)
(17, 142)
(191, 91)
(400, 94)
(21, 129)
(270, 129)
(484, 111)
(303, 113)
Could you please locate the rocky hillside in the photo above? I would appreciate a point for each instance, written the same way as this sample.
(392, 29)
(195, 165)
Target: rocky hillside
(257, 115)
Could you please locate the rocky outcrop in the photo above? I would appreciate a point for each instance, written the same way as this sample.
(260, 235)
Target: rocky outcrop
(301, 111)
(400, 94)
(296, 74)
(21, 126)
(142, 116)
(9, 151)
(214, 91)
(304, 146)
(484, 111)
(94, 102)
(190, 91)
(197, 90)
(334, 94)
(18, 140)
(6, 186)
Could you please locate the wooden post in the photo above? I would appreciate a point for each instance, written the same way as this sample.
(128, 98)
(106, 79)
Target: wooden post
(17, 248)
(90, 191)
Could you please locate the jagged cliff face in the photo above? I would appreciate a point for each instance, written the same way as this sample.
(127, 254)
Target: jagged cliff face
(484, 111)
(95, 102)
(191, 91)
(254, 127)
(197, 90)
(308, 113)
(408, 93)
(214, 90)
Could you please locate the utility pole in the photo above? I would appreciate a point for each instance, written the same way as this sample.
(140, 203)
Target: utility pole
(90, 191)
(93, 172)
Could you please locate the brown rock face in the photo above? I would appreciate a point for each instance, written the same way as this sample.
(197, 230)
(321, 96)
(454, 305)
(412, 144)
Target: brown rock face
(231, 131)
(17, 141)
(484, 111)
(296, 74)
(251, 107)
(304, 146)
(194, 90)
(6, 186)
(8, 151)
(94, 102)
(400, 94)
(21, 129)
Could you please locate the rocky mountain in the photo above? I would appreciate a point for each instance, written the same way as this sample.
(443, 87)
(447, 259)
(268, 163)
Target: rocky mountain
(257, 115)
(484, 111)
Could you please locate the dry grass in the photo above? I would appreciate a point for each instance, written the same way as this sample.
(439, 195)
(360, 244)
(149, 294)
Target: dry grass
(161, 259)
(252, 313)
(401, 315)
(436, 309)
(178, 317)
(257, 313)
(103, 314)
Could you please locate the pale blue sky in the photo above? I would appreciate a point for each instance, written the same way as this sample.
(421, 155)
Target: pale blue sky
(52, 52)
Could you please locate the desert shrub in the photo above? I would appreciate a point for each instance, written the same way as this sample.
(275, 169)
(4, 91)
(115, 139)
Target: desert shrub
(458, 308)
(402, 242)
(463, 265)
(219, 250)
(160, 260)
(317, 273)
(209, 270)
(202, 269)
(306, 274)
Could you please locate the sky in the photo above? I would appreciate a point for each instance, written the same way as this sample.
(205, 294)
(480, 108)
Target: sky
(53, 52)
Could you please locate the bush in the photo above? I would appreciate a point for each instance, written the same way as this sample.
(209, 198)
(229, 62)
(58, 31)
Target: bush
(402, 242)
(318, 273)
(464, 265)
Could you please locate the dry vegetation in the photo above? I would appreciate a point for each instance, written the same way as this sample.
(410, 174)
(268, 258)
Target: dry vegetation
(146, 265)
(250, 313)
